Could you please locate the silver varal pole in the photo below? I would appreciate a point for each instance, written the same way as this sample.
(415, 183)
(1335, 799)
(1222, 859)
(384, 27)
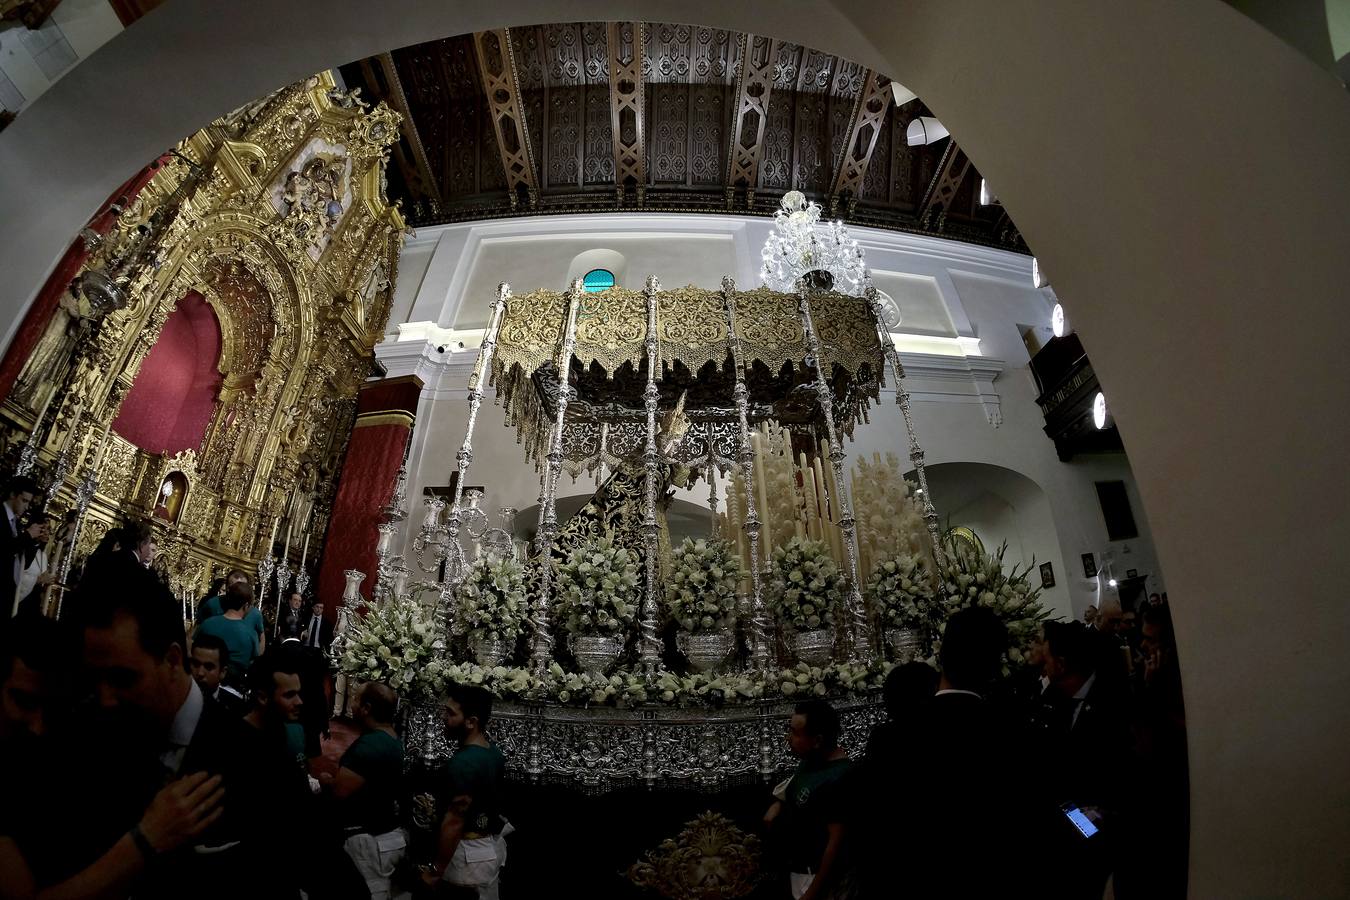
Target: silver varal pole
(858, 617)
(757, 633)
(482, 369)
(542, 651)
(650, 650)
(930, 515)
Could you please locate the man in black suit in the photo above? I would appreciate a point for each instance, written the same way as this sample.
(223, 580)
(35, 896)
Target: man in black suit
(318, 632)
(945, 813)
(14, 539)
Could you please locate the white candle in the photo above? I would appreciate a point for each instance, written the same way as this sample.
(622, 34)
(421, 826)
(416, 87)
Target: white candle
(304, 553)
(102, 445)
(273, 539)
(287, 551)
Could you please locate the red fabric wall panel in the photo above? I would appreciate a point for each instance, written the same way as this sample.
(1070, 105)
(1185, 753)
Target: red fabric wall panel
(385, 413)
(169, 406)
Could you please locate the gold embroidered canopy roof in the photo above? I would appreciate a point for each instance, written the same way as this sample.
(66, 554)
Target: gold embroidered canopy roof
(693, 350)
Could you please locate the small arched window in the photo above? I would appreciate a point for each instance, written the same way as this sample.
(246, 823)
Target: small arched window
(597, 280)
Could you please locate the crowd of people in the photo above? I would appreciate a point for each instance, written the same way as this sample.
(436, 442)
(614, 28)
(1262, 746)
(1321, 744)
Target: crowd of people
(141, 760)
(1074, 778)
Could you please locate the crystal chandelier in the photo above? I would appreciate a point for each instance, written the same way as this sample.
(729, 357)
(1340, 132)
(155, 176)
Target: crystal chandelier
(799, 248)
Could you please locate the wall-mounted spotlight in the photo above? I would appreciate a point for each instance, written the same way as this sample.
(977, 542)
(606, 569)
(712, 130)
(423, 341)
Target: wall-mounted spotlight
(1099, 410)
(902, 94)
(925, 130)
(1038, 279)
(1057, 322)
(987, 195)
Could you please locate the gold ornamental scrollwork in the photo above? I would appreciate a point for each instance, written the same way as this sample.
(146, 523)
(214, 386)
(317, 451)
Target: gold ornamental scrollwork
(711, 859)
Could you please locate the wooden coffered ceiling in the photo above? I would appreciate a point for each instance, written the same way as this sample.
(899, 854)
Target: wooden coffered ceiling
(597, 117)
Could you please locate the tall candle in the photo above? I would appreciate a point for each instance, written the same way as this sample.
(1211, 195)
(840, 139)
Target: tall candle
(761, 488)
(287, 550)
(276, 521)
(304, 553)
(102, 445)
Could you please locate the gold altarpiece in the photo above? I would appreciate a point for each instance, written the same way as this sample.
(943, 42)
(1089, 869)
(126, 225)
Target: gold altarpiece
(277, 216)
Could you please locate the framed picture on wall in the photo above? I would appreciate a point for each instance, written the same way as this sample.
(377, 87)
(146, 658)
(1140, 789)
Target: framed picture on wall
(1047, 575)
(1089, 566)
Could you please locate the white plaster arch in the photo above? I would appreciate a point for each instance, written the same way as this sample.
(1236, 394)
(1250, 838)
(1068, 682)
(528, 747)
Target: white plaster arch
(1121, 138)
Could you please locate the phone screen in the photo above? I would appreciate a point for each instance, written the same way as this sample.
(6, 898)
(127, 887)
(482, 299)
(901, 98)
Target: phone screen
(1080, 820)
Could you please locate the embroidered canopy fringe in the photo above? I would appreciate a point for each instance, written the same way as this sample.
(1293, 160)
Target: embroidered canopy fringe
(692, 333)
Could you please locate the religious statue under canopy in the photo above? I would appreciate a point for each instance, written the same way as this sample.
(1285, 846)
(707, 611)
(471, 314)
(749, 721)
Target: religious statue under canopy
(616, 510)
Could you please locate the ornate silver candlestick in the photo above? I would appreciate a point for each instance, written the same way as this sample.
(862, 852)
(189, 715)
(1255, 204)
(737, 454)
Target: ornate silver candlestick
(862, 646)
(266, 566)
(84, 495)
(757, 632)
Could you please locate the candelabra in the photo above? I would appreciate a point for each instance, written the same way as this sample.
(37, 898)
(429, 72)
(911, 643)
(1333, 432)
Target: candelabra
(266, 566)
(301, 581)
(351, 598)
(382, 554)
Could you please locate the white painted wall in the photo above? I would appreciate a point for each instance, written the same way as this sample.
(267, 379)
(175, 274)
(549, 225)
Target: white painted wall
(83, 25)
(963, 311)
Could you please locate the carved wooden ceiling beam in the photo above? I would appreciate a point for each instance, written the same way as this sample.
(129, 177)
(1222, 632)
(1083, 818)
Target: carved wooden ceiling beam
(380, 70)
(501, 83)
(754, 84)
(869, 115)
(942, 190)
(626, 109)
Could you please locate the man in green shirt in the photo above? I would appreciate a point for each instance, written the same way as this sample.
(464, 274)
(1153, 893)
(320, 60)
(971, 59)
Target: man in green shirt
(252, 615)
(238, 634)
(471, 849)
(807, 820)
(369, 780)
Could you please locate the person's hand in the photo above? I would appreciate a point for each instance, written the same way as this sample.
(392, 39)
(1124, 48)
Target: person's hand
(326, 779)
(182, 810)
(45, 579)
(38, 531)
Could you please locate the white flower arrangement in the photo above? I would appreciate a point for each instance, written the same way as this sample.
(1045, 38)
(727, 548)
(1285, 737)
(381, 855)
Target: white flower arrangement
(702, 592)
(902, 589)
(630, 689)
(974, 579)
(395, 642)
(492, 599)
(597, 589)
(807, 589)
(890, 516)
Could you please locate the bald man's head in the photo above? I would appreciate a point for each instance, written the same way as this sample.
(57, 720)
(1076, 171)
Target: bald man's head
(379, 701)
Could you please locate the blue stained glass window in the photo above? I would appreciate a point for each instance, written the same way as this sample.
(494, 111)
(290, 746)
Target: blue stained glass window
(597, 280)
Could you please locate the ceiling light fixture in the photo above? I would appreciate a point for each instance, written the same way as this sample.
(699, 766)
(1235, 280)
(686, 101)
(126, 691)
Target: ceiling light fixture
(1038, 279)
(925, 130)
(1099, 410)
(801, 247)
(1057, 323)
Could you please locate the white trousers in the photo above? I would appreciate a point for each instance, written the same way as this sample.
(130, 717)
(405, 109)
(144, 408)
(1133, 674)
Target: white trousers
(376, 857)
(478, 863)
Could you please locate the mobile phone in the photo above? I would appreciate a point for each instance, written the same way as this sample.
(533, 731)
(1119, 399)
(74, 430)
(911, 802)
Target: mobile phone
(1079, 820)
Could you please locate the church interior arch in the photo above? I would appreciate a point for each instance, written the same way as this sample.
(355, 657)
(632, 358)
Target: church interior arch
(1189, 292)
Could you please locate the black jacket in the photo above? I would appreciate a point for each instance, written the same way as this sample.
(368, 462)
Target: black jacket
(325, 632)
